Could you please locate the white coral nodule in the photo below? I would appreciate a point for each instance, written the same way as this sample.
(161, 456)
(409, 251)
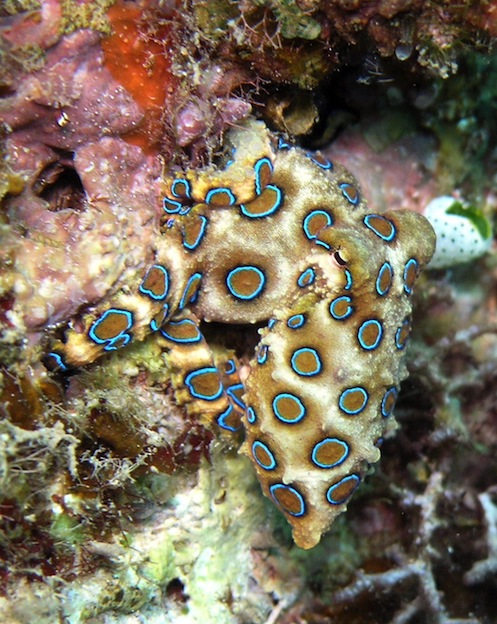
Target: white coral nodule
(463, 232)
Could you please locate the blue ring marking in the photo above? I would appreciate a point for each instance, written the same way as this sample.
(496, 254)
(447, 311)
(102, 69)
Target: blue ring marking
(315, 451)
(262, 354)
(251, 415)
(287, 395)
(232, 159)
(110, 342)
(148, 292)
(196, 277)
(59, 362)
(198, 395)
(283, 145)
(349, 280)
(170, 206)
(257, 168)
(272, 322)
(296, 354)
(305, 224)
(281, 486)
(185, 210)
(344, 187)
(279, 200)
(231, 390)
(113, 344)
(318, 241)
(296, 321)
(392, 392)
(399, 344)
(187, 186)
(196, 338)
(363, 327)
(326, 165)
(350, 478)
(306, 278)
(258, 444)
(345, 393)
(221, 419)
(256, 292)
(336, 302)
(224, 190)
(409, 263)
(230, 367)
(390, 236)
(198, 240)
(386, 266)
(153, 323)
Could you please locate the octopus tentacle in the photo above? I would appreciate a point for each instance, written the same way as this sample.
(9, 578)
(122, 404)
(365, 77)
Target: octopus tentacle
(206, 386)
(123, 317)
(244, 177)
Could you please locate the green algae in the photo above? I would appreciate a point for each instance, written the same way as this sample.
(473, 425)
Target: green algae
(68, 530)
(463, 116)
(199, 538)
(93, 15)
(474, 215)
(213, 17)
(293, 22)
(13, 7)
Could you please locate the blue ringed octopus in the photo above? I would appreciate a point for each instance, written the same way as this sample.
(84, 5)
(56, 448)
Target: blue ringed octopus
(280, 236)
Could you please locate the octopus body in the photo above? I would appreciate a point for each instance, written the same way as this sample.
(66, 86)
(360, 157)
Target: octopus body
(281, 236)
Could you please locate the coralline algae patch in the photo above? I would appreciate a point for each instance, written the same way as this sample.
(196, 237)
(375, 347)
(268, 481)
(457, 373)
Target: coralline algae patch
(141, 64)
(463, 233)
(75, 254)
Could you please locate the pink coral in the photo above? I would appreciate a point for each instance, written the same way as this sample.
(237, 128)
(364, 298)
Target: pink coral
(65, 139)
(198, 117)
(397, 175)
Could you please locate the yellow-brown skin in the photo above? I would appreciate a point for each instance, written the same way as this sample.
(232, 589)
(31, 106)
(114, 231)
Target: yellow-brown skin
(345, 365)
(278, 235)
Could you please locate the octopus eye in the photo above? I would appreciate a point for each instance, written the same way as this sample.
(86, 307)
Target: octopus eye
(338, 259)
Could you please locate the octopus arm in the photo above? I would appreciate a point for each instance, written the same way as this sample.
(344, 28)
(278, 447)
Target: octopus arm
(323, 385)
(207, 385)
(246, 173)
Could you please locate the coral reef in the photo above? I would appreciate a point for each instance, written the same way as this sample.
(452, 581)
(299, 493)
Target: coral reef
(116, 503)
